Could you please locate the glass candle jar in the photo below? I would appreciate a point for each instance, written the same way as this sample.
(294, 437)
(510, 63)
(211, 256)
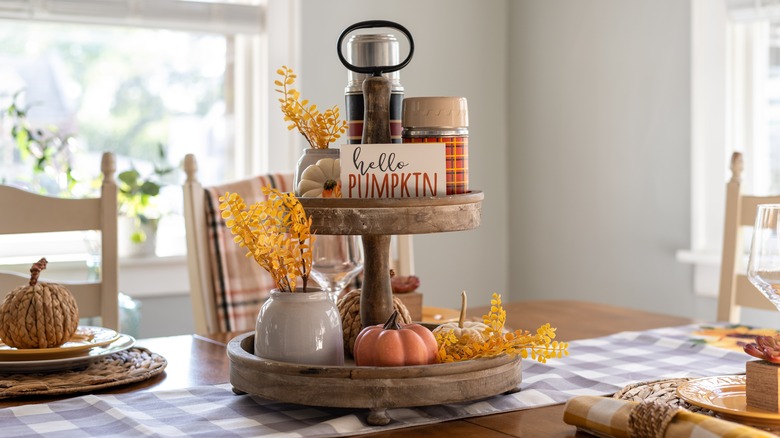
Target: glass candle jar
(441, 120)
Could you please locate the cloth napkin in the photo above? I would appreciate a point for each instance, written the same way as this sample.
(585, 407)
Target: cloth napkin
(614, 418)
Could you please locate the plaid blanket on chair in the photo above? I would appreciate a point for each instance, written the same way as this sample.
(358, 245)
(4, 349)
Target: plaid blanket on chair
(240, 285)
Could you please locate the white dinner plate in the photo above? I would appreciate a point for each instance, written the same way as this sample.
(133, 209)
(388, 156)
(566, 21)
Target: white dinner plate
(80, 361)
(85, 338)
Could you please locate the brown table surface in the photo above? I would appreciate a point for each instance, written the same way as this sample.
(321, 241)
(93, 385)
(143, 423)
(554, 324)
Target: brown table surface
(201, 360)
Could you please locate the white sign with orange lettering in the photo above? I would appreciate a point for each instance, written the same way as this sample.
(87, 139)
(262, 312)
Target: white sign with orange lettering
(397, 170)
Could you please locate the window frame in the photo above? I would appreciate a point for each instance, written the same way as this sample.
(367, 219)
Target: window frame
(250, 66)
(728, 44)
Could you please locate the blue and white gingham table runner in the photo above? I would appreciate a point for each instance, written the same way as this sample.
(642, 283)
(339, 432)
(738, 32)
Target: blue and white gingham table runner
(599, 366)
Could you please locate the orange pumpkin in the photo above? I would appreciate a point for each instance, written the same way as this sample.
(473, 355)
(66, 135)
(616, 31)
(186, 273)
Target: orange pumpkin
(394, 344)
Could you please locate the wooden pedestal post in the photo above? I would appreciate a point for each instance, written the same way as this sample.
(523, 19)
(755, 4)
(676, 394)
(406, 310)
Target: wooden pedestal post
(763, 385)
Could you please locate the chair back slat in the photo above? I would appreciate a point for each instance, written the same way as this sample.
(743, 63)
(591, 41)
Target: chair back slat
(34, 213)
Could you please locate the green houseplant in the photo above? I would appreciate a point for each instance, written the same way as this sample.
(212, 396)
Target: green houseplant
(137, 196)
(47, 150)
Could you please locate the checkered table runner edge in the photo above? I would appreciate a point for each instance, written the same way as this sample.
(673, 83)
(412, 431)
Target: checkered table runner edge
(599, 366)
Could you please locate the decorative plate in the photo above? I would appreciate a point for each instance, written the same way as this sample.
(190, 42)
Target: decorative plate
(85, 338)
(727, 397)
(82, 359)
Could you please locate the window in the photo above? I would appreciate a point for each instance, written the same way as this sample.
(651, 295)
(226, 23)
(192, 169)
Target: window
(735, 104)
(754, 115)
(129, 76)
(130, 90)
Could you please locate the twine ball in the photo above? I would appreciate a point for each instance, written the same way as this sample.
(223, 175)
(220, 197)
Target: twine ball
(349, 309)
(38, 315)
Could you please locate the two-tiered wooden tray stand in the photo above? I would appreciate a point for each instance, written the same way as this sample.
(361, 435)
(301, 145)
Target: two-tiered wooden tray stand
(377, 388)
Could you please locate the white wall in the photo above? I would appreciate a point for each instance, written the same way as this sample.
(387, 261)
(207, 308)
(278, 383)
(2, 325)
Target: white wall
(599, 151)
(460, 50)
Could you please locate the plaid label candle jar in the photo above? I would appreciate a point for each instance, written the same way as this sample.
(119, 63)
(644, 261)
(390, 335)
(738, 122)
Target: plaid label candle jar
(441, 120)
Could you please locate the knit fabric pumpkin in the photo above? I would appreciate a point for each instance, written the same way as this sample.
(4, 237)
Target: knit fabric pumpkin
(349, 309)
(38, 315)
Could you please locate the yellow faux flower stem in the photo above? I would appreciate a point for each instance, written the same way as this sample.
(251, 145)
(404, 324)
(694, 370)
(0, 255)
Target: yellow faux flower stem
(319, 129)
(276, 233)
(540, 346)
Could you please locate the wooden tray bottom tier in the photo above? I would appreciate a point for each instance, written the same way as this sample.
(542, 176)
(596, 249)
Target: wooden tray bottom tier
(375, 388)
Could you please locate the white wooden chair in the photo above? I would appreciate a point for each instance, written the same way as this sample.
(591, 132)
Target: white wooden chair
(226, 287)
(24, 212)
(735, 289)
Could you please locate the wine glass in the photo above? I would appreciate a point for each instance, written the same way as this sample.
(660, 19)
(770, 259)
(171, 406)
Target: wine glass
(764, 263)
(336, 260)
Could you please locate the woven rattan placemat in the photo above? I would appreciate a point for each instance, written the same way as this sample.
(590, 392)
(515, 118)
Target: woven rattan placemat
(129, 366)
(662, 391)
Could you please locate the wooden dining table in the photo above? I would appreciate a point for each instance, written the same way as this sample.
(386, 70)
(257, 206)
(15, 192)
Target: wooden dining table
(195, 360)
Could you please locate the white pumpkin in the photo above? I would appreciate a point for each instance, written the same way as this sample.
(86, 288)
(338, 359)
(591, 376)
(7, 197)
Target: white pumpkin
(322, 176)
(462, 329)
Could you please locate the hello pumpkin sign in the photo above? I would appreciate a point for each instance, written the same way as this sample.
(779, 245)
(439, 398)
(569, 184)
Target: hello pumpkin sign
(397, 170)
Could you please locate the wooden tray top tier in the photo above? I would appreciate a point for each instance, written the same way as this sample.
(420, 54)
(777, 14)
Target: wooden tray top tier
(376, 220)
(394, 216)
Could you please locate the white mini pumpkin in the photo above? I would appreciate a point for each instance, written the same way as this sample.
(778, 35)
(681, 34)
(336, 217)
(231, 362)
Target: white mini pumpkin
(462, 329)
(321, 179)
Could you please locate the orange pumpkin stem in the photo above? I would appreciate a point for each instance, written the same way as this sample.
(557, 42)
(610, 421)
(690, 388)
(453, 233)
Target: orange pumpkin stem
(36, 269)
(330, 184)
(392, 322)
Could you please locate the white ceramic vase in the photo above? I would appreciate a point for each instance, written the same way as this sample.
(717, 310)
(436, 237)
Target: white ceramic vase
(300, 327)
